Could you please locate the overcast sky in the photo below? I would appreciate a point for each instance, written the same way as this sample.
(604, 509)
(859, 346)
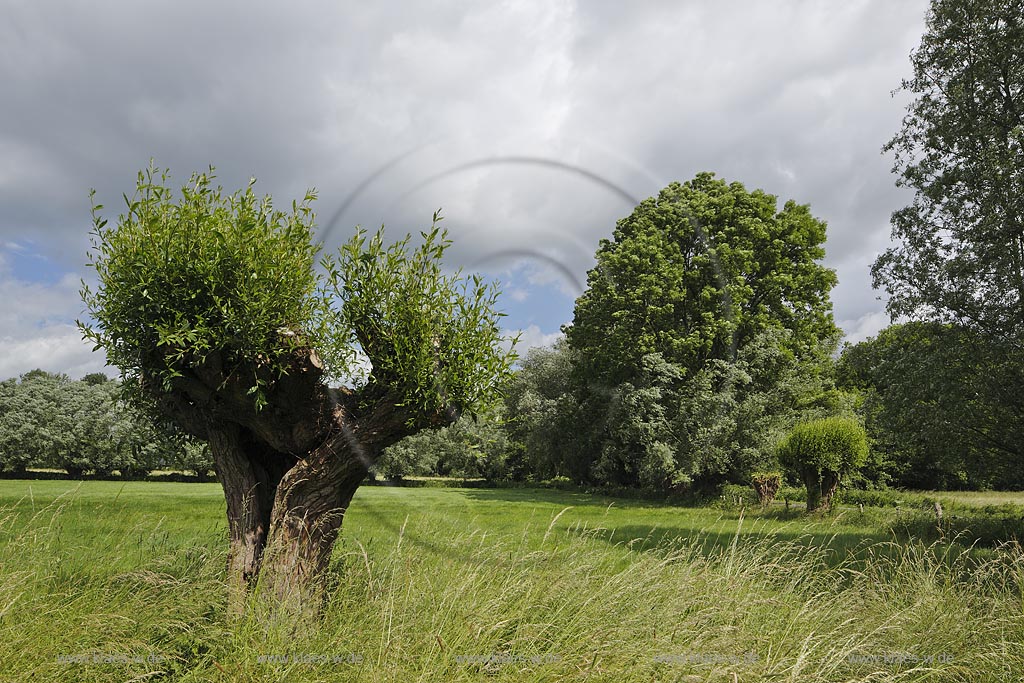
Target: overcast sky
(534, 125)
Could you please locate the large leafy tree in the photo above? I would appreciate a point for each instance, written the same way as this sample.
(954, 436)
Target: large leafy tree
(697, 272)
(959, 256)
(212, 307)
(959, 253)
(692, 283)
(93, 428)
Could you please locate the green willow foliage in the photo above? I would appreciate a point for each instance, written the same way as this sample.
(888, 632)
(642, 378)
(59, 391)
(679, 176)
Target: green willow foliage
(431, 335)
(183, 277)
(211, 272)
(833, 444)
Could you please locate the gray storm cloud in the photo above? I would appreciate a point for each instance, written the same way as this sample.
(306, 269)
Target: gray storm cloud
(792, 97)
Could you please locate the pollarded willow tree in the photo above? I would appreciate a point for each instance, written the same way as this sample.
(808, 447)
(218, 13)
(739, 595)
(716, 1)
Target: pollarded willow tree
(823, 452)
(213, 309)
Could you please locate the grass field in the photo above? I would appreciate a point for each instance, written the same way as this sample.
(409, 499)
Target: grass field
(980, 497)
(110, 581)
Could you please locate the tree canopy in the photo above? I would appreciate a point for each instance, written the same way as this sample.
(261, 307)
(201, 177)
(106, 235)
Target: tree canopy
(697, 272)
(959, 256)
(215, 312)
(938, 402)
(706, 328)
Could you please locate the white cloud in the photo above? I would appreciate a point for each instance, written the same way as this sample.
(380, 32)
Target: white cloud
(868, 325)
(37, 330)
(532, 337)
(518, 294)
(56, 348)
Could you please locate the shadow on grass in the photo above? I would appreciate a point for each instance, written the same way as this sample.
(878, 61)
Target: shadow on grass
(841, 545)
(844, 534)
(978, 528)
(850, 537)
(560, 497)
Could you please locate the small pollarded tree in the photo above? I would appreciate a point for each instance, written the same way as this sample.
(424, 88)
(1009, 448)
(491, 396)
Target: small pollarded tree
(766, 485)
(822, 452)
(213, 309)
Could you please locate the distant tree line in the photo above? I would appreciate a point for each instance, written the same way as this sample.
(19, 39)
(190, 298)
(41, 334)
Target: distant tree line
(49, 421)
(705, 335)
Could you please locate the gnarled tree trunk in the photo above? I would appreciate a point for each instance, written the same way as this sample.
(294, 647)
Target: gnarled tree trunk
(290, 469)
(812, 483)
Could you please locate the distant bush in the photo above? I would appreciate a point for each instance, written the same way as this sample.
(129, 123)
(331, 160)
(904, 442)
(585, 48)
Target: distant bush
(559, 483)
(766, 485)
(822, 452)
(879, 498)
(736, 496)
(194, 456)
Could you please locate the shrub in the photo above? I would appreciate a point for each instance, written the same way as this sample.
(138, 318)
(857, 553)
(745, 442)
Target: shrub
(822, 452)
(734, 496)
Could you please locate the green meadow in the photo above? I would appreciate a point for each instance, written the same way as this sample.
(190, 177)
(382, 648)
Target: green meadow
(111, 581)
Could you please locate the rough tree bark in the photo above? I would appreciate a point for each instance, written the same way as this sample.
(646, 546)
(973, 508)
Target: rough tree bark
(812, 482)
(829, 484)
(289, 470)
(821, 487)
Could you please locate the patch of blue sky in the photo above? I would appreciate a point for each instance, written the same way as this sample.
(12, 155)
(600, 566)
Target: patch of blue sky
(527, 299)
(26, 262)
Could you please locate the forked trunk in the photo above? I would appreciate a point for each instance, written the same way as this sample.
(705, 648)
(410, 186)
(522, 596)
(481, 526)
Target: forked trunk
(290, 470)
(283, 522)
(829, 485)
(812, 482)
